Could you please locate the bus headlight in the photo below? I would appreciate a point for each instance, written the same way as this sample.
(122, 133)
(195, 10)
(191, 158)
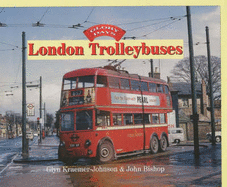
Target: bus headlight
(88, 142)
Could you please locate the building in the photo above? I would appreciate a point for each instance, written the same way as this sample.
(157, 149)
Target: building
(3, 126)
(182, 104)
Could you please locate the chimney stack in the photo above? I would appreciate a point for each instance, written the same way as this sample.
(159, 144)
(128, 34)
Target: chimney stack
(156, 73)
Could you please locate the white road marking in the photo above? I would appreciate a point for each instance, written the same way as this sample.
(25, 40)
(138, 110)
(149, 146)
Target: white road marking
(9, 164)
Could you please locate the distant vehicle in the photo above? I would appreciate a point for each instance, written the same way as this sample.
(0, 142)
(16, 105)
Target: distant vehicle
(20, 134)
(176, 135)
(35, 134)
(217, 136)
(29, 135)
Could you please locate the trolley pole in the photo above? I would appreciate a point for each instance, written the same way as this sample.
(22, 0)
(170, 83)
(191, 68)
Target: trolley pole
(211, 88)
(24, 140)
(195, 115)
(40, 108)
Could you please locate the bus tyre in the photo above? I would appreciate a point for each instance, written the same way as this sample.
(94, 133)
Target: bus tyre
(105, 152)
(163, 144)
(218, 139)
(154, 144)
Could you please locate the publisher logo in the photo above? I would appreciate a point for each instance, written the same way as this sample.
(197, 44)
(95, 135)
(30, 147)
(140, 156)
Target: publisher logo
(104, 30)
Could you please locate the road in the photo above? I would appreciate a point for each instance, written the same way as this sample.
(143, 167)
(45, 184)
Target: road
(175, 167)
(9, 149)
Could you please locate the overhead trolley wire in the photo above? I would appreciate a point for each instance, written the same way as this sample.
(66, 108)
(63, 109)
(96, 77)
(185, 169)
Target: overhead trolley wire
(147, 25)
(9, 44)
(150, 20)
(145, 35)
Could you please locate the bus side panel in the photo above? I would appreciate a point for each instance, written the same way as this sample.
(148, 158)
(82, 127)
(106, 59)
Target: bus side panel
(125, 140)
(102, 97)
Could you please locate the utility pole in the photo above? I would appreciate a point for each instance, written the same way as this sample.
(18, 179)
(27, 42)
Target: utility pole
(44, 118)
(24, 140)
(40, 107)
(195, 115)
(211, 88)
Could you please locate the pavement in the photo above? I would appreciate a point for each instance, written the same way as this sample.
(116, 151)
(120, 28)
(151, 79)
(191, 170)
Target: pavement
(40, 152)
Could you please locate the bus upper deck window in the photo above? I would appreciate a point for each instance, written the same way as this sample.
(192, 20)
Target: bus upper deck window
(144, 86)
(67, 84)
(135, 85)
(73, 84)
(125, 84)
(159, 88)
(166, 89)
(114, 82)
(86, 81)
(101, 81)
(152, 87)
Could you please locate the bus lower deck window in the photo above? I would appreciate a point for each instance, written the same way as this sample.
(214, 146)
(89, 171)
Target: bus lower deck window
(102, 118)
(117, 120)
(128, 120)
(155, 118)
(162, 118)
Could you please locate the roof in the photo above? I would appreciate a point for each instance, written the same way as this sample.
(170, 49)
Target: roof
(109, 71)
(184, 88)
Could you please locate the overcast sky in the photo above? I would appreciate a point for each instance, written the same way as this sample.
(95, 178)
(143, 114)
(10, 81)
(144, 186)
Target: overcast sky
(154, 22)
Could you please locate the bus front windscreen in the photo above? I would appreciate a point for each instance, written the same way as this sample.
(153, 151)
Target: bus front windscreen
(84, 120)
(67, 122)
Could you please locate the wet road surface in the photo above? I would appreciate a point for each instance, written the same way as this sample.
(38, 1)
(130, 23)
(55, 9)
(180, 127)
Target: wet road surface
(175, 167)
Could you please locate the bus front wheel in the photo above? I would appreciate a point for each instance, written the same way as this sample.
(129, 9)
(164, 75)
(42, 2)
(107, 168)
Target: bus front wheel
(105, 152)
(154, 144)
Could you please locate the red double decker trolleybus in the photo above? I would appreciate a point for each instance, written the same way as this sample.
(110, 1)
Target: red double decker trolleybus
(106, 113)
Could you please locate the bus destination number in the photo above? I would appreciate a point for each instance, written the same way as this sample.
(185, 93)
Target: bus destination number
(78, 92)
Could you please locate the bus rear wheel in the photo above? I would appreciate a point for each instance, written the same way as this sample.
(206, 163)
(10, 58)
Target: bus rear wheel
(154, 145)
(105, 152)
(163, 144)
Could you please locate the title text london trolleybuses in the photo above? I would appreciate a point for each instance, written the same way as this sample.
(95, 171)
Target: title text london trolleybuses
(106, 113)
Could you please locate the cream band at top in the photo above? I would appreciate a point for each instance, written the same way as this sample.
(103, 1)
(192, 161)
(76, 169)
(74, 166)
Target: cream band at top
(104, 49)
